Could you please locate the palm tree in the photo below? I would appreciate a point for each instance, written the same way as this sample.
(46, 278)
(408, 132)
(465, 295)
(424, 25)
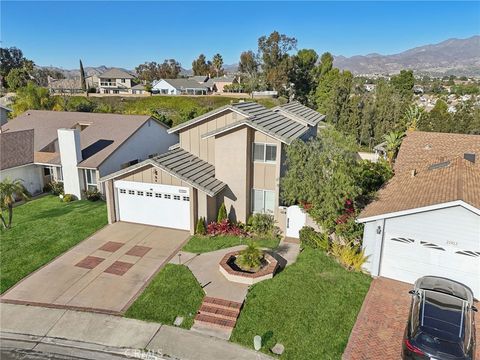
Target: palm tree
(393, 140)
(10, 191)
(413, 116)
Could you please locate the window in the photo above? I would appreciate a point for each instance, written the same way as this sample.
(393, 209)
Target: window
(47, 171)
(59, 174)
(264, 152)
(122, 80)
(123, 191)
(263, 201)
(158, 195)
(140, 193)
(149, 194)
(131, 192)
(167, 196)
(91, 179)
(176, 197)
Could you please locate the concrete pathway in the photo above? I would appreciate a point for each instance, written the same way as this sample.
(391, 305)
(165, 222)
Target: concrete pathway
(91, 334)
(103, 273)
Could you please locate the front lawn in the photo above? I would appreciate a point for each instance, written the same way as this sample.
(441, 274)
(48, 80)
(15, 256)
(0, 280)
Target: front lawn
(200, 244)
(173, 292)
(42, 229)
(310, 308)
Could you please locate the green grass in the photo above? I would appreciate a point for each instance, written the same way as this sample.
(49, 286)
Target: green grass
(173, 292)
(43, 229)
(200, 244)
(177, 109)
(310, 308)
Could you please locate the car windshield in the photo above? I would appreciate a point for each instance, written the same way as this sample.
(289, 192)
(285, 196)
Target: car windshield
(442, 322)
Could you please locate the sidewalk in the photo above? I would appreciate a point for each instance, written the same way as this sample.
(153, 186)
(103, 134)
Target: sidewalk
(91, 335)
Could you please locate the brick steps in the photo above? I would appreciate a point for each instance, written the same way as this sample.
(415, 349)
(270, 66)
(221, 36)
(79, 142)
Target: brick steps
(217, 312)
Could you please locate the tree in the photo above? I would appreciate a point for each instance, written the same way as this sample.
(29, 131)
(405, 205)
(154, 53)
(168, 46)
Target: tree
(321, 172)
(201, 66)
(248, 67)
(10, 191)
(150, 71)
(147, 71)
(17, 78)
(302, 74)
(217, 64)
(32, 97)
(404, 83)
(438, 119)
(169, 69)
(393, 140)
(413, 116)
(273, 52)
(326, 64)
(12, 58)
(83, 82)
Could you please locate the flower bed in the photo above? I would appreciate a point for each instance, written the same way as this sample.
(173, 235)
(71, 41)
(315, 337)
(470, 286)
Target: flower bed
(228, 268)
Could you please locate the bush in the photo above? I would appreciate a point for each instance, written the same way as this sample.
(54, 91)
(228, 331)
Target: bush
(349, 255)
(54, 187)
(93, 195)
(222, 213)
(69, 198)
(312, 239)
(225, 228)
(250, 259)
(201, 229)
(262, 223)
(350, 230)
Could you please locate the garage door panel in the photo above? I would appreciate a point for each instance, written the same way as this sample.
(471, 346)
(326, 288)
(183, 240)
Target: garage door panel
(153, 204)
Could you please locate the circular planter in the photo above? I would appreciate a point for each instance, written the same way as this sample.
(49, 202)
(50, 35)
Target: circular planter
(232, 274)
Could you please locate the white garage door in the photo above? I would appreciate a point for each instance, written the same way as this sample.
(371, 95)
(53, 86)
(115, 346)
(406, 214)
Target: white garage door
(407, 259)
(153, 204)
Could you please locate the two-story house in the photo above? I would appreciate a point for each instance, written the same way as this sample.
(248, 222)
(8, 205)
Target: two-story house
(77, 148)
(116, 81)
(233, 155)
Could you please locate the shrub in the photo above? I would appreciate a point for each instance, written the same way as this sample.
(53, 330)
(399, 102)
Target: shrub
(93, 195)
(69, 198)
(225, 228)
(201, 229)
(309, 238)
(261, 223)
(222, 213)
(349, 255)
(54, 187)
(250, 259)
(350, 230)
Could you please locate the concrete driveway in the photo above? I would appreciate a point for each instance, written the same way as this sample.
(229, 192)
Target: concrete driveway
(104, 273)
(378, 331)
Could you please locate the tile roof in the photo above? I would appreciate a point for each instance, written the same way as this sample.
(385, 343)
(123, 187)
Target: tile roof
(420, 149)
(458, 179)
(306, 114)
(16, 148)
(116, 73)
(103, 135)
(183, 165)
(185, 84)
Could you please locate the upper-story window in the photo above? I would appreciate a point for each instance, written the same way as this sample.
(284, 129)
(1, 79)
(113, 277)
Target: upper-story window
(264, 152)
(122, 80)
(91, 178)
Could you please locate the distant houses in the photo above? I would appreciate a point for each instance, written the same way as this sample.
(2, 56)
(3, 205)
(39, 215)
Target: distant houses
(179, 87)
(118, 81)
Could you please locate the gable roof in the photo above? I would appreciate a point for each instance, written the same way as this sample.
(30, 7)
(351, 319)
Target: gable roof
(103, 135)
(303, 113)
(225, 78)
(420, 149)
(445, 182)
(199, 78)
(181, 84)
(16, 148)
(183, 165)
(272, 123)
(116, 73)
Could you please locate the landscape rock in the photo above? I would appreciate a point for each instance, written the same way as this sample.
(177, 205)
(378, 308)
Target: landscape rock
(278, 349)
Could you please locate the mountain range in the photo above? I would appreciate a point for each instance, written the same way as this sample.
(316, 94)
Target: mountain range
(450, 57)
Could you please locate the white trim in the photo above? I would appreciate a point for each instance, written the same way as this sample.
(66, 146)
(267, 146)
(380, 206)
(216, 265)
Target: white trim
(420, 209)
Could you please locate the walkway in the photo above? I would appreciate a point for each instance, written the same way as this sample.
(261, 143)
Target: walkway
(72, 332)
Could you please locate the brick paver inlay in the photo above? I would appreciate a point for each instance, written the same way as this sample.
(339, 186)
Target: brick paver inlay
(89, 262)
(118, 268)
(111, 246)
(138, 250)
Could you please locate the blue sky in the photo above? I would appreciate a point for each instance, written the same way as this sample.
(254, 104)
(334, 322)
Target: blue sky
(125, 34)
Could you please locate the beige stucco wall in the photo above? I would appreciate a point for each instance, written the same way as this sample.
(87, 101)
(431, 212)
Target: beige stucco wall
(190, 138)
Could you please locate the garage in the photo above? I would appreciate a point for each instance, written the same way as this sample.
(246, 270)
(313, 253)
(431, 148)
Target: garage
(153, 204)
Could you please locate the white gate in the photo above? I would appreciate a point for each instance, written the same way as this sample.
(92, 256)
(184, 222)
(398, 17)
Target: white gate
(296, 219)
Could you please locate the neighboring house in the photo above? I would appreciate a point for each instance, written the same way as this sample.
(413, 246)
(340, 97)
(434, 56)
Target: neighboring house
(220, 82)
(115, 81)
(71, 86)
(179, 87)
(17, 159)
(139, 89)
(426, 219)
(78, 148)
(233, 155)
(4, 114)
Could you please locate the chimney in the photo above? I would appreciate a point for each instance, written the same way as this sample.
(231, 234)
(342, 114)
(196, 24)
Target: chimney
(70, 155)
(469, 157)
(413, 173)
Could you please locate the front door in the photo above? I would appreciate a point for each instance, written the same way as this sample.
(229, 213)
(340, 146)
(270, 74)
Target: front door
(296, 219)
